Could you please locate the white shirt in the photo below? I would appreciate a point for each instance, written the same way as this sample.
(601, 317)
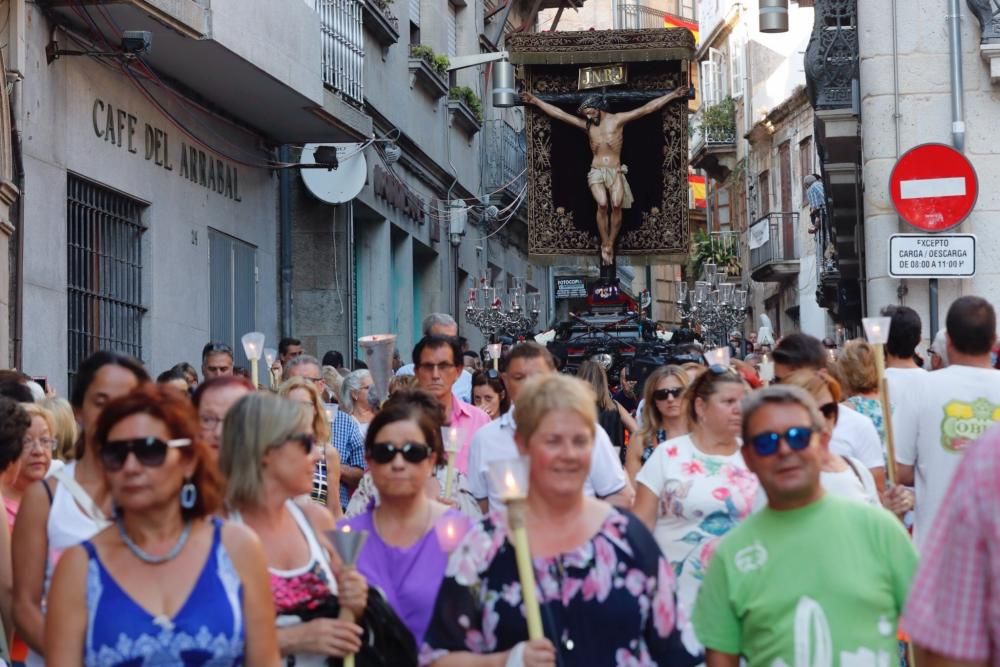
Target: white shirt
(951, 408)
(855, 435)
(495, 442)
(462, 387)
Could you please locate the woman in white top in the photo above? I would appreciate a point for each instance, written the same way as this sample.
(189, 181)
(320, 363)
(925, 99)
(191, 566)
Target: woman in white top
(354, 398)
(72, 505)
(662, 418)
(695, 488)
(268, 457)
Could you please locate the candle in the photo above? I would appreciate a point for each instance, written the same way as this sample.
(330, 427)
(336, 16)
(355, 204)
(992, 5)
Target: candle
(450, 531)
(452, 450)
(348, 545)
(766, 369)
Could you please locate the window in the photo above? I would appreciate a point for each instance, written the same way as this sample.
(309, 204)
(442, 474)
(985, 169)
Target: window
(688, 10)
(232, 269)
(104, 235)
(737, 52)
(764, 190)
(415, 14)
(713, 77)
(805, 158)
(721, 214)
(452, 31)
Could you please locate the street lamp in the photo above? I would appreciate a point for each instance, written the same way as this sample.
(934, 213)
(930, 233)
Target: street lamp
(504, 94)
(773, 15)
(877, 333)
(253, 346)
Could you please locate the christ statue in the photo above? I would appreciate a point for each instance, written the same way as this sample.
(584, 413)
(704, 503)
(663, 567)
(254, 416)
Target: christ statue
(606, 179)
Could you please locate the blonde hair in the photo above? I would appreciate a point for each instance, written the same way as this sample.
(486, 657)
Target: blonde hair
(400, 382)
(651, 419)
(594, 374)
(35, 410)
(257, 422)
(66, 431)
(321, 424)
(333, 379)
(551, 392)
(856, 366)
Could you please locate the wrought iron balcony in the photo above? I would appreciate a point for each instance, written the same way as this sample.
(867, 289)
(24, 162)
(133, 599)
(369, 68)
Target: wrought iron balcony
(773, 252)
(342, 33)
(713, 147)
(504, 159)
(634, 16)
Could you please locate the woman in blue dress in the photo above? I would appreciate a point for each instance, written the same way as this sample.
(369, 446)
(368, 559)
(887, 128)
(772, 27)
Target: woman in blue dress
(605, 591)
(167, 583)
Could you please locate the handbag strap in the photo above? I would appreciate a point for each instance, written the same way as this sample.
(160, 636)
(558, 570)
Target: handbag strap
(82, 498)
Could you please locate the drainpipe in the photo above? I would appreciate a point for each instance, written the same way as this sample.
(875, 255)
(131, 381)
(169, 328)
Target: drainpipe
(957, 83)
(285, 233)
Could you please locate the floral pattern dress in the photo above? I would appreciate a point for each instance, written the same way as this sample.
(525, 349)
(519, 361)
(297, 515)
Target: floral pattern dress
(701, 497)
(608, 602)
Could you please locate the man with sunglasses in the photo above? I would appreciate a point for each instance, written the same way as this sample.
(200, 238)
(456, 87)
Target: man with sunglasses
(438, 363)
(811, 575)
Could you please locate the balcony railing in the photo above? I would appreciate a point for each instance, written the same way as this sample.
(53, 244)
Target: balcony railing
(343, 47)
(716, 136)
(772, 240)
(503, 158)
(638, 17)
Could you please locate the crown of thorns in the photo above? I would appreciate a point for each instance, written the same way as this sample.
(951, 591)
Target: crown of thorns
(598, 102)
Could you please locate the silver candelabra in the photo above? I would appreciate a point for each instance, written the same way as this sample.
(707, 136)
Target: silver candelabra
(495, 311)
(714, 307)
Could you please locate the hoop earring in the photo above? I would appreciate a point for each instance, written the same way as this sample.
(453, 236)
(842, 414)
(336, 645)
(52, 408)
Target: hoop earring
(189, 495)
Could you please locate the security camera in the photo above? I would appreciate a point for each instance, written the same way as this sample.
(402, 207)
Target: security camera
(135, 42)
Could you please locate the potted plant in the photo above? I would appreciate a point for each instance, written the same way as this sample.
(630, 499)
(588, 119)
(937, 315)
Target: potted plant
(429, 69)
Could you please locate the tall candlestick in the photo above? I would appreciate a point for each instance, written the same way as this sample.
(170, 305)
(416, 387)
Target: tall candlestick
(766, 369)
(452, 450)
(348, 545)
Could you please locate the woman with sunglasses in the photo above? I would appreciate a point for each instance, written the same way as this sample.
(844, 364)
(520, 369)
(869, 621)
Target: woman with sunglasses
(74, 504)
(841, 475)
(367, 497)
(489, 393)
(268, 457)
(327, 472)
(402, 555)
(167, 583)
(663, 416)
(695, 488)
(605, 591)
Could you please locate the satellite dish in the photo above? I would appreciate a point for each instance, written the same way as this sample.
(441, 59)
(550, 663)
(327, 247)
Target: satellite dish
(339, 185)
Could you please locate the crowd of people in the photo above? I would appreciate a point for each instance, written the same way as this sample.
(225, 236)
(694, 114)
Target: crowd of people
(703, 514)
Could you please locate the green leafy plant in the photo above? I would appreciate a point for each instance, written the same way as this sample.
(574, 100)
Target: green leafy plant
(468, 97)
(439, 63)
(723, 251)
(720, 118)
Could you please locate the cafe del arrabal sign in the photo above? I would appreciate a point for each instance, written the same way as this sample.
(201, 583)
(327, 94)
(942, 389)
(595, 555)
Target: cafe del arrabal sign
(125, 131)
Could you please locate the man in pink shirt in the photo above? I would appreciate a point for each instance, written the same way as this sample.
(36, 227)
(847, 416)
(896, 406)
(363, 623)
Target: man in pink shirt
(953, 614)
(437, 362)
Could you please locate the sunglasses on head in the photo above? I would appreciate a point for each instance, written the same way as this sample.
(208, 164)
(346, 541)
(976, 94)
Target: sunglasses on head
(664, 394)
(766, 444)
(413, 452)
(150, 452)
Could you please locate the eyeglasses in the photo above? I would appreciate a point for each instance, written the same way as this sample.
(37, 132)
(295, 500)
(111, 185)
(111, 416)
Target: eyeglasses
(413, 452)
(766, 444)
(439, 367)
(209, 421)
(41, 443)
(313, 380)
(150, 452)
(829, 410)
(664, 394)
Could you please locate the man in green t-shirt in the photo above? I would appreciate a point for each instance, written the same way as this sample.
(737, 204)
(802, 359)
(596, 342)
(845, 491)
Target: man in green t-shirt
(811, 580)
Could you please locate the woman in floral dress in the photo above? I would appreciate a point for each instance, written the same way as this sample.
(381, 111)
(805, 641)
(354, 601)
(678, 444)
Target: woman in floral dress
(696, 487)
(605, 591)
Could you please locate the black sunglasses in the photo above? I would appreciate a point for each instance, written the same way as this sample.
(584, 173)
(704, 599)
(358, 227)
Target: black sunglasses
(664, 394)
(829, 410)
(766, 444)
(150, 452)
(413, 452)
(306, 440)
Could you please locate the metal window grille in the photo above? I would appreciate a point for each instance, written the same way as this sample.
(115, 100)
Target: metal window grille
(452, 31)
(232, 270)
(415, 12)
(343, 47)
(104, 256)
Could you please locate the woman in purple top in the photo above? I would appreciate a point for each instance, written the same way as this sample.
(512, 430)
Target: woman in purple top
(403, 556)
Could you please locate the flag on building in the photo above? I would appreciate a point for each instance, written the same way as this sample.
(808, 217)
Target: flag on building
(697, 185)
(678, 22)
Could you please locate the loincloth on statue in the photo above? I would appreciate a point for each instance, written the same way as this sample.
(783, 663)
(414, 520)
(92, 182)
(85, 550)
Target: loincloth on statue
(607, 177)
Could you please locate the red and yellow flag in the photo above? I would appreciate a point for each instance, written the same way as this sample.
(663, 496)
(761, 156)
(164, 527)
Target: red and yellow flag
(697, 185)
(678, 22)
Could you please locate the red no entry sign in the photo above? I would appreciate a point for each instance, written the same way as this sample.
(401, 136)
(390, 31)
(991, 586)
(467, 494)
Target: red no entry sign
(933, 187)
